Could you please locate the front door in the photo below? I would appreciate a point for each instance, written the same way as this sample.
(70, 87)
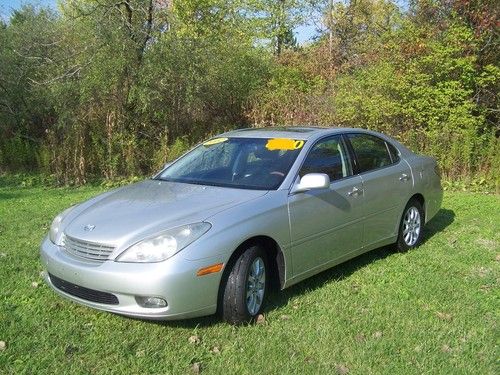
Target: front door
(326, 223)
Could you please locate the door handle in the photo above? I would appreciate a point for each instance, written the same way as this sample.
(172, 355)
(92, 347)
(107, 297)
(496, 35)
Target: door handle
(355, 191)
(404, 177)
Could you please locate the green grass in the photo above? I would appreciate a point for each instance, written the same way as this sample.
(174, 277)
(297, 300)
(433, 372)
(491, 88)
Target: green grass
(431, 310)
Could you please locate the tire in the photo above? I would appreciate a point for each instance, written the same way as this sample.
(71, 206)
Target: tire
(411, 227)
(236, 306)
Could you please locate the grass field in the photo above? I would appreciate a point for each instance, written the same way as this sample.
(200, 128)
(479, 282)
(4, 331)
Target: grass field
(433, 310)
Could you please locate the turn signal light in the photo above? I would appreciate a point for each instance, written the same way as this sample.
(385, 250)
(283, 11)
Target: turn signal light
(210, 269)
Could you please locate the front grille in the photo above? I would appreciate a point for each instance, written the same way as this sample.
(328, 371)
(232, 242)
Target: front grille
(87, 250)
(82, 292)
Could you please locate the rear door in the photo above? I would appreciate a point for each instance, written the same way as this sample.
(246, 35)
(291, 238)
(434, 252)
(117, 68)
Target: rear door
(325, 224)
(387, 184)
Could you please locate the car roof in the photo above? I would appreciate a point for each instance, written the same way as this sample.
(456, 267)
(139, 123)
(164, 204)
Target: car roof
(293, 132)
(307, 133)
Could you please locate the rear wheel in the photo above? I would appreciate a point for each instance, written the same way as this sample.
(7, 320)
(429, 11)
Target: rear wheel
(411, 226)
(245, 289)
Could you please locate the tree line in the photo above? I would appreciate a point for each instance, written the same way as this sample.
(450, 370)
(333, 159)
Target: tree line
(112, 89)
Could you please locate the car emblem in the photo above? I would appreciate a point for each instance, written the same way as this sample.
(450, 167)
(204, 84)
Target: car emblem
(89, 228)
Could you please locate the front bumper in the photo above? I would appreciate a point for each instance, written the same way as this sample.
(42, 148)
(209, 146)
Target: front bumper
(174, 280)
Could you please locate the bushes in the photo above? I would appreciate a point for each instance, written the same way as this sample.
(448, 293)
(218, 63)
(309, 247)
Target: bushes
(90, 93)
(427, 98)
(17, 153)
(121, 95)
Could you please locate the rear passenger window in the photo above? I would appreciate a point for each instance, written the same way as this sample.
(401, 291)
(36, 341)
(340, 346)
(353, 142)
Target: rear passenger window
(371, 151)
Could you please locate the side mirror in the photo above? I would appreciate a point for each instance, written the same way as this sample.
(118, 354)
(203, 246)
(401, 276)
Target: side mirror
(312, 181)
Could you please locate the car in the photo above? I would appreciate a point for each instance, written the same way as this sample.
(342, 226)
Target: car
(244, 212)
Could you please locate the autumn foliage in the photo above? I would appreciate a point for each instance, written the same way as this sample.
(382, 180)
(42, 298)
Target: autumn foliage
(115, 89)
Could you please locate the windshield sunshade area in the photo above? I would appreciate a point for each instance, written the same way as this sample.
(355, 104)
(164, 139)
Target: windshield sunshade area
(245, 163)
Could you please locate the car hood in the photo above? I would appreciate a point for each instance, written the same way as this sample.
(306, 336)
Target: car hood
(137, 211)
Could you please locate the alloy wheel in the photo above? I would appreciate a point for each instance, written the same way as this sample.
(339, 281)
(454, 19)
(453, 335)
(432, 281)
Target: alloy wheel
(411, 226)
(256, 285)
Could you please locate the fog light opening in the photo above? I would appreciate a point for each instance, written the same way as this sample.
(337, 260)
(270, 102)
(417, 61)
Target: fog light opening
(151, 302)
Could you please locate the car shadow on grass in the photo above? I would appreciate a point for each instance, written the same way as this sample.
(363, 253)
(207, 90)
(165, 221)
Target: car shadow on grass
(282, 298)
(438, 223)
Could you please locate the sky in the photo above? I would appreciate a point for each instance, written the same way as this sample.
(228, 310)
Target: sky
(6, 6)
(302, 33)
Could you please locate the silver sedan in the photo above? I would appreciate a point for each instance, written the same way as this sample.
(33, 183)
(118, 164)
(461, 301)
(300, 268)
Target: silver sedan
(238, 214)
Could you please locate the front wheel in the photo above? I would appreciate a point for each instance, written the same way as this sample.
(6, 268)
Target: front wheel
(411, 226)
(246, 287)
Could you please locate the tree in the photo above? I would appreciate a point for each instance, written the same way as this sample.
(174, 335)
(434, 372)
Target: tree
(275, 20)
(28, 45)
(356, 27)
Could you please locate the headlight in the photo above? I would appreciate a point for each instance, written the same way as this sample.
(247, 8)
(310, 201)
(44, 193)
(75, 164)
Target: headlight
(165, 245)
(55, 226)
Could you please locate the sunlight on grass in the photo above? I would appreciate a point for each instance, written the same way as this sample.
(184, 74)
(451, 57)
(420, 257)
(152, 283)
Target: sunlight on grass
(432, 310)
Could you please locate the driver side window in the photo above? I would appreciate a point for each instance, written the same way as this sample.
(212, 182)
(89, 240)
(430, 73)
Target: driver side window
(328, 156)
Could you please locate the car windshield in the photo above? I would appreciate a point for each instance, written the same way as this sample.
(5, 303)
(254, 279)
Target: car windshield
(245, 163)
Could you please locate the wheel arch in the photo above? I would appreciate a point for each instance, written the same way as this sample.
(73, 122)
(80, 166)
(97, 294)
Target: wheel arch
(275, 257)
(420, 199)
(276, 262)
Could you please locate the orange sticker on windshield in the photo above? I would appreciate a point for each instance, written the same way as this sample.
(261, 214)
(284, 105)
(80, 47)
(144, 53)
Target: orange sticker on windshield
(283, 144)
(214, 141)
